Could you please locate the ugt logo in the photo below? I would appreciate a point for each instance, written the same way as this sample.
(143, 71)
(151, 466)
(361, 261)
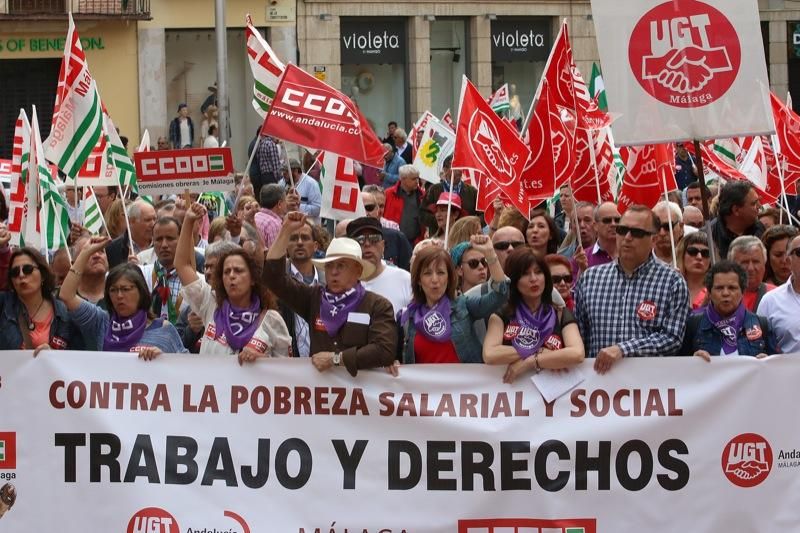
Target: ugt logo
(747, 460)
(153, 520)
(685, 54)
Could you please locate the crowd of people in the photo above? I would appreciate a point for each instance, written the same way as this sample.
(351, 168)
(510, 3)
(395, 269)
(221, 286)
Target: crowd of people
(422, 278)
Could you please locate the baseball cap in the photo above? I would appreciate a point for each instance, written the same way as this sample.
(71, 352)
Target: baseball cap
(362, 225)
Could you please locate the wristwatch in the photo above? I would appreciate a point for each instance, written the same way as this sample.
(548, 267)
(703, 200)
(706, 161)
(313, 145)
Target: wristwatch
(337, 358)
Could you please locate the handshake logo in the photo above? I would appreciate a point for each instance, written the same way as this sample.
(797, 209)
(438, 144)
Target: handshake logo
(685, 55)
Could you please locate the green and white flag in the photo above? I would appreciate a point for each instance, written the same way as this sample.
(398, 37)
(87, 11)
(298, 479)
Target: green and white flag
(597, 88)
(53, 213)
(499, 101)
(267, 69)
(92, 216)
(216, 202)
(74, 134)
(20, 157)
(437, 141)
(118, 157)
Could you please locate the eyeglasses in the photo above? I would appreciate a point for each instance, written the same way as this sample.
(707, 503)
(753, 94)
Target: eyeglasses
(567, 278)
(372, 238)
(505, 245)
(25, 269)
(474, 263)
(121, 290)
(705, 253)
(666, 226)
(636, 233)
(609, 220)
(795, 252)
(301, 237)
(370, 207)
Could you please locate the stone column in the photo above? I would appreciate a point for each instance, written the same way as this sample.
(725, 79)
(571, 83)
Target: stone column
(419, 67)
(480, 44)
(778, 59)
(153, 114)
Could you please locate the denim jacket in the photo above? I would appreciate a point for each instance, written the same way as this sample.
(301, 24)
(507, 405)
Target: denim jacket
(464, 310)
(754, 338)
(63, 333)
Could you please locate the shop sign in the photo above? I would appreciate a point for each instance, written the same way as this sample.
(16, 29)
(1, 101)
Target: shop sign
(372, 41)
(47, 44)
(521, 39)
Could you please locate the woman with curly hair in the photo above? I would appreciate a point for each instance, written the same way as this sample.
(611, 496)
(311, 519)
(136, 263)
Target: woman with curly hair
(239, 313)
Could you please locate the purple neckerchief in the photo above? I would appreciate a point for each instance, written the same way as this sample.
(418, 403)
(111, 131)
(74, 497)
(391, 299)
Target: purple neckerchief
(728, 327)
(334, 308)
(238, 324)
(534, 328)
(432, 322)
(124, 333)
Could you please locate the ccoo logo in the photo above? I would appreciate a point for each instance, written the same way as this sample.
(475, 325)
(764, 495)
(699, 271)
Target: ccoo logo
(153, 520)
(685, 54)
(747, 460)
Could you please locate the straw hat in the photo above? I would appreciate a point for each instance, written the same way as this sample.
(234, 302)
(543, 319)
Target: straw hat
(346, 248)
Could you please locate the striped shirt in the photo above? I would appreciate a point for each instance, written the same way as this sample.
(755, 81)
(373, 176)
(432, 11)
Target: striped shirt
(644, 314)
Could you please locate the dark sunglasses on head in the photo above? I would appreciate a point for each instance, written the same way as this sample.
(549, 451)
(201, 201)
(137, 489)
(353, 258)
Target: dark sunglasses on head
(795, 252)
(504, 245)
(636, 233)
(705, 253)
(25, 269)
(566, 278)
(609, 220)
(373, 238)
(370, 207)
(473, 263)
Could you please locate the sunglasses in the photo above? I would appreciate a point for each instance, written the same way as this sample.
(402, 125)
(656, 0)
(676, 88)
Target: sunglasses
(24, 269)
(666, 226)
(371, 239)
(474, 263)
(636, 233)
(795, 252)
(505, 245)
(370, 207)
(705, 253)
(567, 278)
(609, 220)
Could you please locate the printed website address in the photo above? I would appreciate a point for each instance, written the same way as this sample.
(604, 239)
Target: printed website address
(316, 122)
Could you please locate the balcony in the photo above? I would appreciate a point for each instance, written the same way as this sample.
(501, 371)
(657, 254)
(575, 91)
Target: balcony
(81, 9)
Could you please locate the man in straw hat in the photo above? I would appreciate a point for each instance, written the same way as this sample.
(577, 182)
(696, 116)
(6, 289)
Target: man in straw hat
(349, 325)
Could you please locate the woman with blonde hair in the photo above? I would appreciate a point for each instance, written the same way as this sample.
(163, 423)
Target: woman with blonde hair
(462, 230)
(217, 231)
(246, 209)
(115, 219)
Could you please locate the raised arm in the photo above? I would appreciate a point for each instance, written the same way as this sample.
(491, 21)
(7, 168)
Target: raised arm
(184, 255)
(69, 289)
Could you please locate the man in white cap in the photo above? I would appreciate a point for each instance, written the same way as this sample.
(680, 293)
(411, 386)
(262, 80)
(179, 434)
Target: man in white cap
(349, 325)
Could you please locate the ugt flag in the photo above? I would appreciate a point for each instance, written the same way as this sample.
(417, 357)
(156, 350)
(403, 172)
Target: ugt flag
(683, 69)
(311, 113)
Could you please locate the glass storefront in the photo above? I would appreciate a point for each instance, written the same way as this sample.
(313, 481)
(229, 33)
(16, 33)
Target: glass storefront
(449, 61)
(794, 64)
(374, 58)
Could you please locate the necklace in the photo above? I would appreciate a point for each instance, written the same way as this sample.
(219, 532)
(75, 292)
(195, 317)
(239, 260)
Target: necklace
(31, 325)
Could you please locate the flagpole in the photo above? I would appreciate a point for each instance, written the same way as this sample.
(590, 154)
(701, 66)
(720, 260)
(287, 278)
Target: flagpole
(590, 137)
(128, 225)
(669, 218)
(247, 173)
(704, 199)
(449, 206)
(288, 165)
(42, 234)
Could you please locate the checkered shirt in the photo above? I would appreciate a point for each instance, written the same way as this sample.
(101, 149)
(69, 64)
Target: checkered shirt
(644, 314)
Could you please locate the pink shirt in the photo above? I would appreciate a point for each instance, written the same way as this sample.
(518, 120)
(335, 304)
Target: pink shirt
(268, 224)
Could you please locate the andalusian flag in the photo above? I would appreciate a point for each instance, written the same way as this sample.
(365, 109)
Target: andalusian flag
(53, 213)
(436, 143)
(215, 201)
(597, 88)
(92, 216)
(74, 134)
(499, 101)
(20, 157)
(267, 69)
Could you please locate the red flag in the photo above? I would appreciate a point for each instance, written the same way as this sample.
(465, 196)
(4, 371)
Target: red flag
(487, 192)
(311, 113)
(787, 126)
(648, 166)
(583, 182)
(566, 82)
(485, 143)
(539, 176)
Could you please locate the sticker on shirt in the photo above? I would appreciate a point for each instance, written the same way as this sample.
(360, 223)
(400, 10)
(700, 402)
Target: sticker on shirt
(57, 343)
(554, 342)
(510, 332)
(319, 325)
(527, 337)
(358, 318)
(754, 333)
(647, 310)
(211, 334)
(257, 345)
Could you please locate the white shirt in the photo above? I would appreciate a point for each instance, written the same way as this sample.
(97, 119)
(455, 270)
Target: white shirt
(186, 138)
(394, 284)
(781, 306)
(271, 337)
(211, 142)
(149, 256)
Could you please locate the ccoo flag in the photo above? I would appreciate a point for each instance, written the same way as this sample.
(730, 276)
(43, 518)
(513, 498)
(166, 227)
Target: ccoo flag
(267, 69)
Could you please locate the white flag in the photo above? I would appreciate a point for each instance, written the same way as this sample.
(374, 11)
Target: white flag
(436, 143)
(341, 197)
(267, 69)
(20, 157)
(499, 101)
(683, 70)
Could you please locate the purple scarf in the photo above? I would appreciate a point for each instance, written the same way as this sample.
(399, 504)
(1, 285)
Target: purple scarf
(534, 329)
(124, 333)
(238, 324)
(432, 322)
(334, 308)
(728, 327)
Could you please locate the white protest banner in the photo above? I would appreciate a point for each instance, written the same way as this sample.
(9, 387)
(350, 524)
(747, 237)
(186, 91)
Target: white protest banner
(341, 198)
(198, 443)
(174, 171)
(683, 70)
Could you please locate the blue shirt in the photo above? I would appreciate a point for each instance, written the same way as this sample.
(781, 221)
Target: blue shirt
(310, 196)
(392, 170)
(94, 322)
